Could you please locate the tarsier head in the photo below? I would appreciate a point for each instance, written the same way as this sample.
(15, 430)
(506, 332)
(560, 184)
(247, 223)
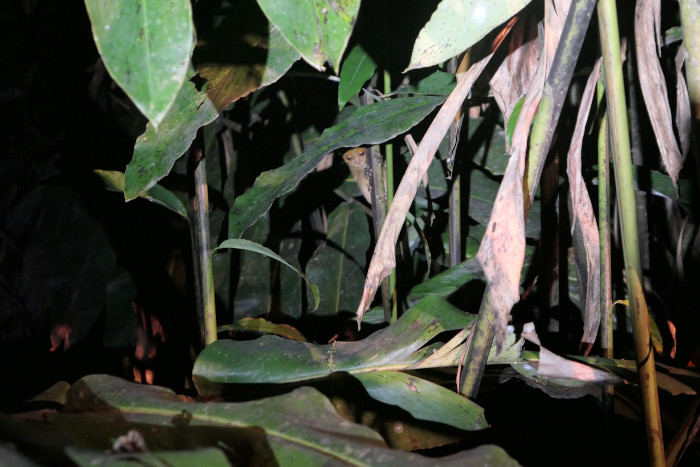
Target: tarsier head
(356, 157)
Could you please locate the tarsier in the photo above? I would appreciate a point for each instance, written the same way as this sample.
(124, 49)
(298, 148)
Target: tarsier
(356, 159)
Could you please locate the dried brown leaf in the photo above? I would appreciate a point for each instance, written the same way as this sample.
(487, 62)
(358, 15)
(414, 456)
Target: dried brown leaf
(384, 256)
(653, 85)
(584, 214)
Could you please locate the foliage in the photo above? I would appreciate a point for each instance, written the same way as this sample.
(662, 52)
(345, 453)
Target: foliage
(247, 106)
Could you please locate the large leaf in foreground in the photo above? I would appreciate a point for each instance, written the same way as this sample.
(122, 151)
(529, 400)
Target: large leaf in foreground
(145, 45)
(372, 124)
(300, 427)
(155, 152)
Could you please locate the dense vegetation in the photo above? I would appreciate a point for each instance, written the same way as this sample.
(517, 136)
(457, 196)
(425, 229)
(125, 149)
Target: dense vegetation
(347, 232)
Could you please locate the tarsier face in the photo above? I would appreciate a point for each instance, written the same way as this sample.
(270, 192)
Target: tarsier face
(356, 157)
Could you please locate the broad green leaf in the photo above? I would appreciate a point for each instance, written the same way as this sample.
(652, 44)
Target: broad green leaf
(145, 45)
(357, 68)
(155, 152)
(371, 124)
(423, 399)
(456, 25)
(450, 280)
(318, 29)
(270, 359)
(114, 180)
(298, 428)
(247, 245)
(245, 52)
(337, 266)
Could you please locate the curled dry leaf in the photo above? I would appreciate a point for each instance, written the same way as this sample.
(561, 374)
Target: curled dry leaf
(384, 256)
(653, 84)
(583, 213)
(682, 104)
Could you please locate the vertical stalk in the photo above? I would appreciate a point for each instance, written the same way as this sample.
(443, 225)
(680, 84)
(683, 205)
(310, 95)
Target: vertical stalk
(606, 329)
(690, 20)
(617, 112)
(389, 159)
(198, 213)
(455, 217)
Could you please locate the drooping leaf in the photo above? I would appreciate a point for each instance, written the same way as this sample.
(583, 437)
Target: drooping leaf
(263, 325)
(357, 68)
(298, 428)
(245, 52)
(449, 281)
(455, 26)
(247, 245)
(423, 399)
(270, 359)
(114, 180)
(337, 266)
(371, 124)
(145, 45)
(155, 152)
(318, 29)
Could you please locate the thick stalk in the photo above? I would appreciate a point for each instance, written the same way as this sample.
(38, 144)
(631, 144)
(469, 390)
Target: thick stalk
(617, 114)
(198, 213)
(690, 20)
(389, 159)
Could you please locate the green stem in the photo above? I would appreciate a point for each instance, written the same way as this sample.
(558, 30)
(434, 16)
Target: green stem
(617, 112)
(198, 213)
(389, 159)
(606, 328)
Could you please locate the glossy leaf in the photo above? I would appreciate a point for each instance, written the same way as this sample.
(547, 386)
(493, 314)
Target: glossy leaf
(449, 281)
(263, 325)
(247, 245)
(357, 68)
(423, 399)
(455, 26)
(245, 52)
(114, 180)
(372, 124)
(298, 428)
(155, 152)
(145, 45)
(318, 29)
(205, 456)
(337, 266)
(270, 359)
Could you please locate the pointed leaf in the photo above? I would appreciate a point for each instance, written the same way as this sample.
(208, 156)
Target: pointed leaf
(423, 399)
(371, 124)
(455, 26)
(114, 180)
(155, 152)
(318, 29)
(358, 67)
(145, 46)
(247, 245)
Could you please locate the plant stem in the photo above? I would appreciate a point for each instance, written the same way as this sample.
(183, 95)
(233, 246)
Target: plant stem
(606, 328)
(198, 213)
(615, 92)
(389, 159)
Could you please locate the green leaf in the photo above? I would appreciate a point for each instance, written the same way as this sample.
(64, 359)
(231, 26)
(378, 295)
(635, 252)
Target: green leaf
(371, 124)
(337, 266)
(245, 52)
(423, 400)
(145, 45)
(298, 428)
(514, 119)
(181, 458)
(318, 29)
(247, 245)
(455, 26)
(263, 325)
(270, 359)
(358, 67)
(155, 152)
(114, 180)
(449, 281)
